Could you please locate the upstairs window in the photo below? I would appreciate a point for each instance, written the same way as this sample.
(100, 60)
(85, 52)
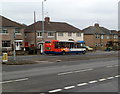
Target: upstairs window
(78, 34)
(102, 36)
(50, 34)
(97, 36)
(3, 30)
(115, 36)
(108, 37)
(69, 34)
(39, 34)
(60, 34)
(17, 31)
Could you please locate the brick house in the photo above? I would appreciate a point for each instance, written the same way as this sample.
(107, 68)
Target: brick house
(97, 37)
(11, 32)
(52, 31)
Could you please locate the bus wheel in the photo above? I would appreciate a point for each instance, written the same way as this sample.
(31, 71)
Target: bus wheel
(63, 53)
(84, 52)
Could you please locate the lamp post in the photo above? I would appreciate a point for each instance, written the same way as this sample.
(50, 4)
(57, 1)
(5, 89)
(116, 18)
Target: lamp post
(43, 24)
(43, 20)
(14, 52)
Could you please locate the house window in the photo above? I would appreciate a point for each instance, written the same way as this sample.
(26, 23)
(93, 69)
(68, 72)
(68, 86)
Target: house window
(78, 34)
(39, 34)
(102, 36)
(97, 36)
(115, 36)
(5, 43)
(60, 34)
(50, 34)
(97, 44)
(17, 31)
(69, 34)
(108, 37)
(3, 31)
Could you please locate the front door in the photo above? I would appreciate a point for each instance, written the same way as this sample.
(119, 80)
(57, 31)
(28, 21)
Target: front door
(41, 48)
(17, 46)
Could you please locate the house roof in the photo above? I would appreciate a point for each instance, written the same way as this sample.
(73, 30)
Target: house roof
(114, 32)
(9, 23)
(96, 29)
(52, 26)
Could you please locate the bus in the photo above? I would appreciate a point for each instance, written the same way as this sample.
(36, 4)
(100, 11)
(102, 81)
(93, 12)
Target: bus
(64, 47)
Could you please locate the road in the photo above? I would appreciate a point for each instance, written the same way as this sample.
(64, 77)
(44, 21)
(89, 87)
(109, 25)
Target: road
(93, 75)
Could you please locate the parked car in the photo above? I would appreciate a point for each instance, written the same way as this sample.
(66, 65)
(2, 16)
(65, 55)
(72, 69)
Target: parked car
(88, 48)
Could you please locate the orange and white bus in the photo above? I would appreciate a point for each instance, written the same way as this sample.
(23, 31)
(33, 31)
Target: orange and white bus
(64, 47)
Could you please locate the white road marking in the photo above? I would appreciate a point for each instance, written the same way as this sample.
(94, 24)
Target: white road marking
(65, 73)
(117, 76)
(18, 80)
(110, 78)
(102, 79)
(69, 87)
(77, 71)
(116, 65)
(109, 66)
(56, 90)
(92, 82)
(82, 84)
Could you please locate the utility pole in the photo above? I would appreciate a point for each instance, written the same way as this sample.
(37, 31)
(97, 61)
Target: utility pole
(35, 31)
(14, 52)
(42, 21)
(43, 24)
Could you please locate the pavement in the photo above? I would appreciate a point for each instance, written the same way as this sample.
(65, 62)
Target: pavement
(86, 75)
(33, 59)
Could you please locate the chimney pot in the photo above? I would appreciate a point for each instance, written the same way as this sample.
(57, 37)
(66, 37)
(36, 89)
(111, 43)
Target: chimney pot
(96, 25)
(47, 19)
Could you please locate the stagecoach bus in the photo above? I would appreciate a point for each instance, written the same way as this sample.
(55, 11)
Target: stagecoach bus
(64, 47)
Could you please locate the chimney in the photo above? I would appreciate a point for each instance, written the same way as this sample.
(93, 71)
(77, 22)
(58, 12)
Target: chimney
(96, 25)
(47, 19)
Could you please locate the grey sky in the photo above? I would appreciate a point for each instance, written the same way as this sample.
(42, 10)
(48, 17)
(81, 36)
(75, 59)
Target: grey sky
(80, 13)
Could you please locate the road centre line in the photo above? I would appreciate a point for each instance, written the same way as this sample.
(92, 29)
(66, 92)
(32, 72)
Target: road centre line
(69, 87)
(56, 90)
(102, 80)
(110, 78)
(90, 82)
(83, 84)
(117, 76)
(65, 73)
(109, 66)
(77, 71)
(18, 80)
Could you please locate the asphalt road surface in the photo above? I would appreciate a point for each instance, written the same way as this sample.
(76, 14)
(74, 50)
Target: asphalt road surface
(93, 75)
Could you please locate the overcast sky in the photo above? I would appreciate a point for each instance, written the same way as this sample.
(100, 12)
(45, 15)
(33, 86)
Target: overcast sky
(80, 13)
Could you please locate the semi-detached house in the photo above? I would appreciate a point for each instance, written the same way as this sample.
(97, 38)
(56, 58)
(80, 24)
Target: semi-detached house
(98, 37)
(52, 31)
(11, 32)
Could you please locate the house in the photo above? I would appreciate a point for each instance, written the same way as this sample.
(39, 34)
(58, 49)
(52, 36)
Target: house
(11, 32)
(98, 37)
(52, 31)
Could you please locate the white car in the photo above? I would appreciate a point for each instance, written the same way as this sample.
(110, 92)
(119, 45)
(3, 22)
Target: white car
(88, 48)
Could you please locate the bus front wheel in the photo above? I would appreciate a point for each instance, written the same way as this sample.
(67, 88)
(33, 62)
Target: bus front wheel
(84, 52)
(63, 53)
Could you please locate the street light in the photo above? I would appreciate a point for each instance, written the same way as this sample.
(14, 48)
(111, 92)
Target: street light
(43, 24)
(43, 20)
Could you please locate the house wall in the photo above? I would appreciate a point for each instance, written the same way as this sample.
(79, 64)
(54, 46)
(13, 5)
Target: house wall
(66, 37)
(30, 37)
(10, 36)
(91, 40)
